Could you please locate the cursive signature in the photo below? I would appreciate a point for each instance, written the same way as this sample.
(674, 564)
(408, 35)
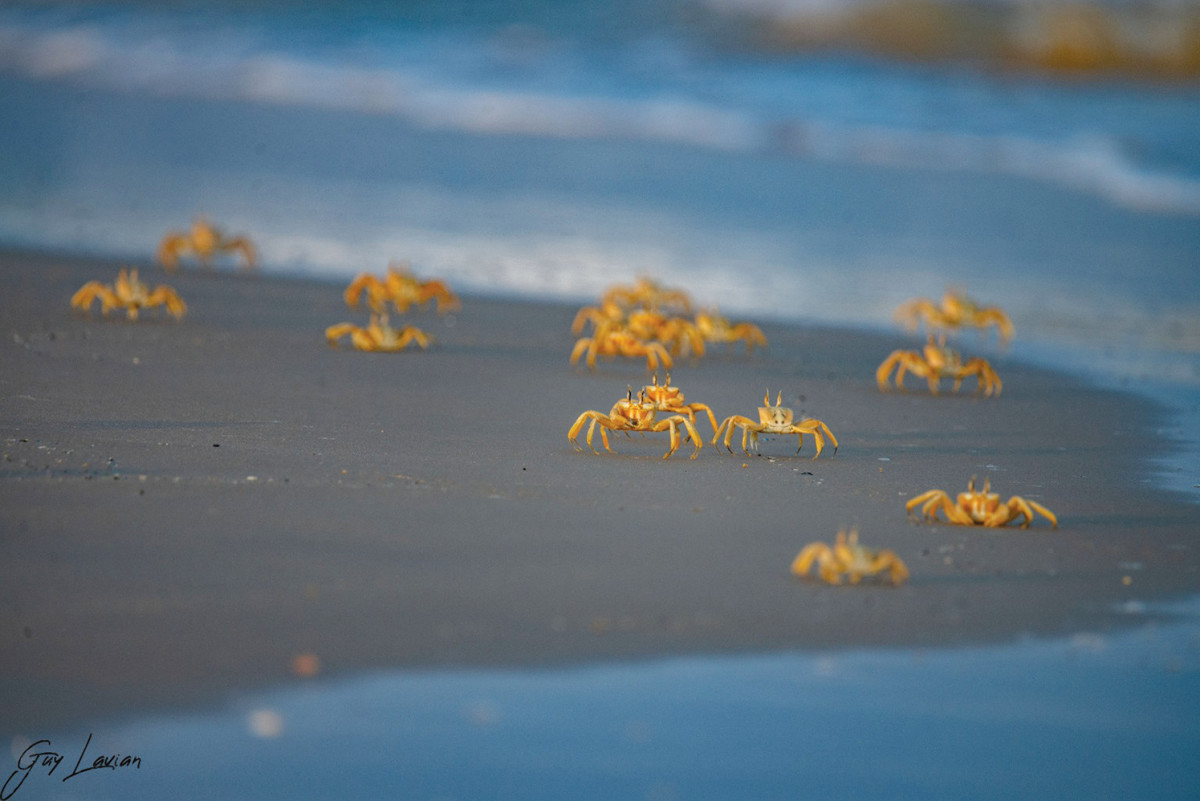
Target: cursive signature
(40, 755)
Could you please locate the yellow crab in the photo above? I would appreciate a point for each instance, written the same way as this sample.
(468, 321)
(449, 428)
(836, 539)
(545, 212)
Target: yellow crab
(607, 312)
(935, 363)
(666, 398)
(848, 558)
(630, 415)
(716, 328)
(974, 508)
(648, 294)
(613, 340)
(130, 294)
(956, 311)
(773, 419)
(402, 289)
(378, 335)
(204, 241)
(678, 334)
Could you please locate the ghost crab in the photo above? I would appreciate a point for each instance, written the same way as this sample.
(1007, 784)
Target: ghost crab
(847, 557)
(956, 311)
(935, 363)
(974, 508)
(130, 294)
(773, 419)
(607, 312)
(678, 334)
(402, 289)
(666, 398)
(378, 335)
(611, 340)
(634, 415)
(648, 294)
(204, 241)
(716, 328)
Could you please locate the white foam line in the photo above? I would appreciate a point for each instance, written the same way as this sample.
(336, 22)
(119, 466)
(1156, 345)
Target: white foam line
(84, 53)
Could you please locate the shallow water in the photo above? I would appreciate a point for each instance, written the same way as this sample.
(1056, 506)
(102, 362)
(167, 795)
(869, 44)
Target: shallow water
(1113, 715)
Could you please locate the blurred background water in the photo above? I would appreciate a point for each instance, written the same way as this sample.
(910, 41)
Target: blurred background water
(763, 153)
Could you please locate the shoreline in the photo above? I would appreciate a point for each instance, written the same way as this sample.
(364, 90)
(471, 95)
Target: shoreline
(191, 505)
(1176, 407)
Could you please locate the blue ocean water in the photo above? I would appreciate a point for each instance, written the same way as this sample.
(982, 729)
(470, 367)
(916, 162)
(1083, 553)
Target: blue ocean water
(551, 148)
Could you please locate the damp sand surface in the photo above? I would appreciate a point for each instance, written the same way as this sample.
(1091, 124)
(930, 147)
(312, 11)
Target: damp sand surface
(186, 507)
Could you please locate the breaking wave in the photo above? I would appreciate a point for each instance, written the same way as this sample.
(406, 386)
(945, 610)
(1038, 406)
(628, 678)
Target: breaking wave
(662, 92)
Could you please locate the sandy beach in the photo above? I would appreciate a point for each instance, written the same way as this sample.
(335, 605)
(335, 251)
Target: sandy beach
(187, 506)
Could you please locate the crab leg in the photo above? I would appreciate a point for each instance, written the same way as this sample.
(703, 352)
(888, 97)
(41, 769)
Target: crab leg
(883, 373)
(956, 514)
(728, 427)
(997, 318)
(411, 333)
(745, 440)
(903, 361)
(827, 568)
(165, 296)
(370, 284)
(243, 246)
(934, 500)
(719, 431)
(935, 378)
(1045, 512)
(573, 433)
(670, 426)
(811, 427)
(694, 435)
(922, 498)
(1018, 507)
(580, 347)
(90, 291)
(712, 418)
(362, 339)
(654, 353)
(817, 551)
(674, 429)
(897, 569)
(911, 363)
(812, 421)
(603, 424)
(989, 381)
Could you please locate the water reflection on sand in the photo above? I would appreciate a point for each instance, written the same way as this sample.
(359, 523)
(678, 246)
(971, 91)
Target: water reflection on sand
(1094, 715)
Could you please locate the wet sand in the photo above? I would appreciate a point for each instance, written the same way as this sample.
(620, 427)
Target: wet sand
(187, 506)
